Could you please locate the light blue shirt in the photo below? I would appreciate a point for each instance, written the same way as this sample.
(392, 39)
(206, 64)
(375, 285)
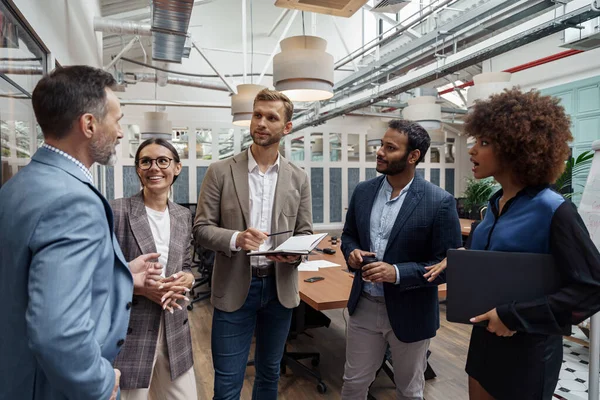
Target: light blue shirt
(383, 215)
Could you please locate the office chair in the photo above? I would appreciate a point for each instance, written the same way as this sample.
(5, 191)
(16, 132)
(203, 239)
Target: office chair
(203, 259)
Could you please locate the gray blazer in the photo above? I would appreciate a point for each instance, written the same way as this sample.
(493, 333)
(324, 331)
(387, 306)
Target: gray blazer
(224, 208)
(135, 237)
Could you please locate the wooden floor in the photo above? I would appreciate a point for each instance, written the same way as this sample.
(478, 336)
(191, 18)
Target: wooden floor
(449, 350)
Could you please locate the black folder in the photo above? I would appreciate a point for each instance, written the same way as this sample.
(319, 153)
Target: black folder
(478, 281)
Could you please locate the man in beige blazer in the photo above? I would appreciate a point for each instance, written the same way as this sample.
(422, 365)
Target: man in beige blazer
(243, 200)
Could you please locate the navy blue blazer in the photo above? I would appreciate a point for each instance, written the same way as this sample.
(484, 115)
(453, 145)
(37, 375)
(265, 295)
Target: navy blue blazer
(426, 227)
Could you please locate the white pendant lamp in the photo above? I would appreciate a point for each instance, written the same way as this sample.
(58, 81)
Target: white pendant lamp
(375, 132)
(487, 84)
(156, 125)
(242, 103)
(303, 71)
(428, 114)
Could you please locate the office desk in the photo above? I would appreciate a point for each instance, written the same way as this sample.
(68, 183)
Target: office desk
(465, 226)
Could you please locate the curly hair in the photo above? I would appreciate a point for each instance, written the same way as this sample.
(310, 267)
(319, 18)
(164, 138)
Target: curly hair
(530, 133)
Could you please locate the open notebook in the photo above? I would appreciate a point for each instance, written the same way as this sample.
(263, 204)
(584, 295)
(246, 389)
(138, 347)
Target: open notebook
(302, 244)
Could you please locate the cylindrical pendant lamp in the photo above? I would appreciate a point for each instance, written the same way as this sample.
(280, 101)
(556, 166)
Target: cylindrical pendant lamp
(242, 103)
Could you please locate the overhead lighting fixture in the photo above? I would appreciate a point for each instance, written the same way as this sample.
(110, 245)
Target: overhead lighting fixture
(156, 125)
(375, 132)
(428, 114)
(487, 84)
(303, 70)
(242, 103)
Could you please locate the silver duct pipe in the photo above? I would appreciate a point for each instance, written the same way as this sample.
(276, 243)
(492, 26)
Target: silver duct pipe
(119, 27)
(173, 80)
(20, 69)
(165, 103)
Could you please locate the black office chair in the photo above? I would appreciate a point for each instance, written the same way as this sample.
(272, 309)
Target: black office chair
(203, 259)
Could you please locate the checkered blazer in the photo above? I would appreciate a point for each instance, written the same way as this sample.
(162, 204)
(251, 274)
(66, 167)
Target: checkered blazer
(135, 237)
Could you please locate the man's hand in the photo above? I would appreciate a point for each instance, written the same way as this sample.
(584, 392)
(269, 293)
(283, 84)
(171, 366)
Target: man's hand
(284, 259)
(250, 239)
(139, 264)
(145, 272)
(378, 272)
(355, 260)
(113, 395)
(495, 324)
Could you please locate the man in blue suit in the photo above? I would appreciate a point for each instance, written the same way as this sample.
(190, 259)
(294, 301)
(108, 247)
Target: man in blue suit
(64, 285)
(407, 223)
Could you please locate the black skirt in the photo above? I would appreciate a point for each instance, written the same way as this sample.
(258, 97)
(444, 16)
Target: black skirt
(523, 367)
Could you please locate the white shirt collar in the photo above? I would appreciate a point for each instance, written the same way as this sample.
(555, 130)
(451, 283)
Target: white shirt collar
(82, 167)
(253, 164)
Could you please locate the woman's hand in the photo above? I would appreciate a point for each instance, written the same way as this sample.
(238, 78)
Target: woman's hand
(495, 324)
(435, 270)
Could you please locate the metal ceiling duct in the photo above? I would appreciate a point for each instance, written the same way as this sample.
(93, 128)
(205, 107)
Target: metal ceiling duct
(170, 21)
(173, 80)
(20, 69)
(119, 27)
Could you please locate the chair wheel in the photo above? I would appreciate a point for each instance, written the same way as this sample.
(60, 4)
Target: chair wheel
(321, 388)
(315, 361)
(190, 307)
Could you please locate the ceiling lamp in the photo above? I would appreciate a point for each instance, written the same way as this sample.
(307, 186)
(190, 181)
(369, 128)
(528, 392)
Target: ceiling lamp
(428, 114)
(375, 132)
(303, 71)
(156, 125)
(487, 84)
(242, 103)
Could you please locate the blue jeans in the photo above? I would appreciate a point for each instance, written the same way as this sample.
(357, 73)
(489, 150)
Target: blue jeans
(232, 336)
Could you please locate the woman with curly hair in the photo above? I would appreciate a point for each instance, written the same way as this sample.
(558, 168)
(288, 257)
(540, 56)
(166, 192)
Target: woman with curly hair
(522, 141)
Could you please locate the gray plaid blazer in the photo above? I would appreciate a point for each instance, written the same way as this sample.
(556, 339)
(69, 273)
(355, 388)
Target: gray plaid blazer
(135, 237)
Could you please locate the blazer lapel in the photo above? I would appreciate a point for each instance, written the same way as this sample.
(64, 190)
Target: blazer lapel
(138, 222)
(282, 188)
(413, 196)
(176, 238)
(364, 218)
(239, 170)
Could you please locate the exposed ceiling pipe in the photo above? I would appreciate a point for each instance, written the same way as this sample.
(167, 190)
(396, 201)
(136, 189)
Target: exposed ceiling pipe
(149, 77)
(522, 67)
(165, 103)
(119, 27)
(20, 69)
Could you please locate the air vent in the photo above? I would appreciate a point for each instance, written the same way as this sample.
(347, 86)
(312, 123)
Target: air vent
(390, 6)
(590, 42)
(339, 8)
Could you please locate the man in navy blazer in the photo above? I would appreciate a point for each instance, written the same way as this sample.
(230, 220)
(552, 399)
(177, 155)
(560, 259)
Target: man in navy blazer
(64, 285)
(407, 223)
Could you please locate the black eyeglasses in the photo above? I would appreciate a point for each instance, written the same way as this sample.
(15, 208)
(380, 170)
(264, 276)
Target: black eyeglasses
(161, 162)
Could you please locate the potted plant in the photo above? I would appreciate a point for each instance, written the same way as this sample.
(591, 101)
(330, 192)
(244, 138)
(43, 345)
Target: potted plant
(477, 194)
(573, 167)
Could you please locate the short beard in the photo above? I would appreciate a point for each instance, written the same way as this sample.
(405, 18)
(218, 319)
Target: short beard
(395, 167)
(102, 153)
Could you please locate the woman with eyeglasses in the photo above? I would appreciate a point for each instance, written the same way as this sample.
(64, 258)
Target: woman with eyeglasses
(156, 359)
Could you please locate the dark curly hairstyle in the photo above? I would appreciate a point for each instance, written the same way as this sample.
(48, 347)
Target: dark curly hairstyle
(530, 133)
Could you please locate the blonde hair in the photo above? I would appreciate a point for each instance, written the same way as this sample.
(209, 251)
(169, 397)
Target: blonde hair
(274, 95)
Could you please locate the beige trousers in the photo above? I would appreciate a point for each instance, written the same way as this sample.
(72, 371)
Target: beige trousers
(369, 332)
(161, 385)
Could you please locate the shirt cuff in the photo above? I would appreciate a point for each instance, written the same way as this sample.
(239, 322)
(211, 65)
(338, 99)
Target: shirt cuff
(397, 275)
(232, 242)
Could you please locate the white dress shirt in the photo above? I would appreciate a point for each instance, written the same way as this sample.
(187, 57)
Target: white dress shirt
(262, 197)
(160, 225)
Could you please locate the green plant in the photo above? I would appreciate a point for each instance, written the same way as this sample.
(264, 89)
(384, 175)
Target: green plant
(477, 194)
(573, 167)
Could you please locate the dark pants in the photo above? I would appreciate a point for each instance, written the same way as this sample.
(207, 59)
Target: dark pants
(232, 336)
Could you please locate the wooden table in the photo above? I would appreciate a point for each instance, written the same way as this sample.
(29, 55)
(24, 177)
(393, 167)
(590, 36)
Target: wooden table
(465, 226)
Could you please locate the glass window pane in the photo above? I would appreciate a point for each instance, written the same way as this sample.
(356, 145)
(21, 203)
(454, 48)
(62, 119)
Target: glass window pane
(131, 182)
(353, 147)
(181, 142)
(203, 144)
(110, 183)
(435, 176)
(371, 173)
(282, 147)
(298, 149)
(450, 151)
(371, 155)
(353, 179)
(226, 143)
(23, 136)
(335, 147)
(133, 135)
(434, 155)
(420, 172)
(316, 147)
(449, 180)
(181, 187)
(200, 174)
(316, 187)
(246, 138)
(335, 195)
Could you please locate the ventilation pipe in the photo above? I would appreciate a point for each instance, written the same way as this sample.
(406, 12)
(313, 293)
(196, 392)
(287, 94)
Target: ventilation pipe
(119, 27)
(198, 83)
(20, 69)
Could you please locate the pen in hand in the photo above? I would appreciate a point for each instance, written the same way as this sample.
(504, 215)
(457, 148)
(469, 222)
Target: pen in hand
(279, 233)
